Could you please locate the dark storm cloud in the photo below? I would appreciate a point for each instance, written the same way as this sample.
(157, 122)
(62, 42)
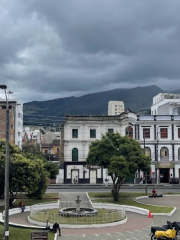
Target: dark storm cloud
(51, 49)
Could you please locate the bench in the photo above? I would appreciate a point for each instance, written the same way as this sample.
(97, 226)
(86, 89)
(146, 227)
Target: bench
(157, 195)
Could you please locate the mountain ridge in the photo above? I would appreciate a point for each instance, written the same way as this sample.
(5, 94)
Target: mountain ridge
(136, 99)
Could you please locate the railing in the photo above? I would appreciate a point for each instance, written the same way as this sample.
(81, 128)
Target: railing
(65, 204)
(164, 159)
(41, 213)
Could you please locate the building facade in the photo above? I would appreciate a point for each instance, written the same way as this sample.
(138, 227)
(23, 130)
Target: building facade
(166, 104)
(15, 121)
(115, 107)
(158, 135)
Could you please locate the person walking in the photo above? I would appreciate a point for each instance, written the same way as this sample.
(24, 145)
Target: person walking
(56, 227)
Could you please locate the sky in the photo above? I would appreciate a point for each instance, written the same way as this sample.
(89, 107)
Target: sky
(61, 48)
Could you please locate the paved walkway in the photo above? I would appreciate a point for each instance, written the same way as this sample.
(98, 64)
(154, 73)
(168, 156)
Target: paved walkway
(137, 225)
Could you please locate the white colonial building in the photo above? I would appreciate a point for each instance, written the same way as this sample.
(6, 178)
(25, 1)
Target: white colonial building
(159, 135)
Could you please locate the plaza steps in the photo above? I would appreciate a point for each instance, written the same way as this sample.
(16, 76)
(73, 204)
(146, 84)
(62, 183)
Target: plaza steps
(67, 199)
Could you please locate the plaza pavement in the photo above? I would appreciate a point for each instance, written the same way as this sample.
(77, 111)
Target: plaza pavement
(137, 226)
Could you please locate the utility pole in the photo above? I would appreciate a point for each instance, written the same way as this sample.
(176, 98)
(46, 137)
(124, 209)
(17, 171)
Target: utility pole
(6, 211)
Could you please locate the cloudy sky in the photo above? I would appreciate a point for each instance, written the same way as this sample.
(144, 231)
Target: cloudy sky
(59, 48)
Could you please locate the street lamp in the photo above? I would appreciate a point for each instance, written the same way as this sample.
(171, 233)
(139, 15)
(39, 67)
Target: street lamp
(144, 131)
(6, 215)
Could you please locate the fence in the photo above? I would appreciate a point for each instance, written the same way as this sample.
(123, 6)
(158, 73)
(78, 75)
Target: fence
(41, 213)
(73, 204)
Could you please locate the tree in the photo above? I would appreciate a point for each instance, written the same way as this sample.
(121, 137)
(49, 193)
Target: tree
(52, 168)
(31, 151)
(122, 156)
(25, 175)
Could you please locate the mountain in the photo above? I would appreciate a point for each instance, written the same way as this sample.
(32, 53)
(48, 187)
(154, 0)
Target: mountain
(53, 111)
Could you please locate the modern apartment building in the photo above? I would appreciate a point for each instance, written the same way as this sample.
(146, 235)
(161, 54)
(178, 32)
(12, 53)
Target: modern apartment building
(166, 104)
(115, 107)
(15, 120)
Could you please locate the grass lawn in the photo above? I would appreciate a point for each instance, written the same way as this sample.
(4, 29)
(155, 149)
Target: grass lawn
(22, 233)
(127, 199)
(103, 216)
(25, 233)
(47, 197)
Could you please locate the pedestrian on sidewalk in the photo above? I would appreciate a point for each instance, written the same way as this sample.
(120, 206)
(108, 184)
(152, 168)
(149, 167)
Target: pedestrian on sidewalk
(74, 180)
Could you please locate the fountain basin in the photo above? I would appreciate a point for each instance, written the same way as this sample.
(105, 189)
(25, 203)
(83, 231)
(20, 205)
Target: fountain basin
(68, 212)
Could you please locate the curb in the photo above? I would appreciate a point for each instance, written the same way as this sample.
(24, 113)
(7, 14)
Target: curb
(157, 214)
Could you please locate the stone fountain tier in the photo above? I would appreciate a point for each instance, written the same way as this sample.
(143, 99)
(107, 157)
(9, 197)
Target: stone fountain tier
(78, 211)
(68, 212)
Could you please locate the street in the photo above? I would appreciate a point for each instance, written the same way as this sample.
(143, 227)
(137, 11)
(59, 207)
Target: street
(125, 188)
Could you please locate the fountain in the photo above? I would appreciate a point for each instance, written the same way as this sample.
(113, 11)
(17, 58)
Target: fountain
(78, 211)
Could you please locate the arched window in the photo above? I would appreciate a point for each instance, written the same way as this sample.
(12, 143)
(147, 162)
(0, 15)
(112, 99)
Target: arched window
(179, 154)
(129, 132)
(75, 155)
(164, 154)
(147, 151)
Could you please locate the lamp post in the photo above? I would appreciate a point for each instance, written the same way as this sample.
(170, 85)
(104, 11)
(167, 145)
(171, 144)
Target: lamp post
(6, 215)
(40, 147)
(49, 153)
(157, 156)
(144, 154)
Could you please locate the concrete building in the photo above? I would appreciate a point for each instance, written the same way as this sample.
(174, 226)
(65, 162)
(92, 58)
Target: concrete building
(32, 135)
(115, 107)
(166, 104)
(160, 135)
(15, 120)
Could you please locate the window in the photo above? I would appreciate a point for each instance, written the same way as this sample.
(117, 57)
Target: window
(46, 151)
(129, 132)
(75, 155)
(19, 115)
(164, 132)
(74, 133)
(12, 126)
(147, 152)
(19, 134)
(164, 154)
(57, 149)
(146, 133)
(178, 132)
(92, 133)
(110, 130)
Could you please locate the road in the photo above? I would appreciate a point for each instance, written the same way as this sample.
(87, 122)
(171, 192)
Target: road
(101, 188)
